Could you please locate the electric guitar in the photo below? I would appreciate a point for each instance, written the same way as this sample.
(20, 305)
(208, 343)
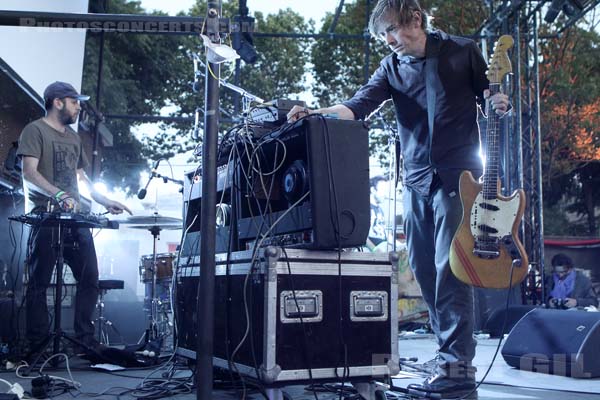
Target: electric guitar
(486, 245)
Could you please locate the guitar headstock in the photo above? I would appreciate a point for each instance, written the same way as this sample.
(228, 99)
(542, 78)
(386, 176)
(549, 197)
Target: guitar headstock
(500, 62)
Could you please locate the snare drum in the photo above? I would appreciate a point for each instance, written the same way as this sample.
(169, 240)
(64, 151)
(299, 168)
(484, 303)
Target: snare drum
(164, 267)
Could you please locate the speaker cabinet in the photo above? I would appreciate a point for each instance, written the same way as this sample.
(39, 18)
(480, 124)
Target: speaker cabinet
(316, 173)
(227, 201)
(496, 325)
(557, 342)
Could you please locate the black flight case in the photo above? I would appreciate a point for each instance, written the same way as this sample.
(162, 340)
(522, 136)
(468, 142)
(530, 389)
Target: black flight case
(280, 313)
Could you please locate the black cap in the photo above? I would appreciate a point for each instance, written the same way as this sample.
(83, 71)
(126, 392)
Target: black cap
(562, 260)
(60, 90)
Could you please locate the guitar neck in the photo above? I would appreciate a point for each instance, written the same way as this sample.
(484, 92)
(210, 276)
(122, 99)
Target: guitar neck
(492, 151)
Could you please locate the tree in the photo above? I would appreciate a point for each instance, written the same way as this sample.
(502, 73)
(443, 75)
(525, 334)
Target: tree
(144, 73)
(278, 72)
(140, 74)
(339, 63)
(570, 115)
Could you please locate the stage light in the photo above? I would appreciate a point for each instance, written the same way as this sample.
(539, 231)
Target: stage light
(243, 42)
(572, 8)
(101, 188)
(553, 10)
(569, 7)
(246, 50)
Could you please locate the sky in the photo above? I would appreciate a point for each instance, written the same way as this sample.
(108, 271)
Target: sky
(314, 9)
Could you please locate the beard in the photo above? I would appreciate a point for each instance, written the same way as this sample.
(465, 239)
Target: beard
(65, 118)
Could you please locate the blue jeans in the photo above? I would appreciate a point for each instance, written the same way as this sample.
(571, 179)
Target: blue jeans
(80, 254)
(429, 224)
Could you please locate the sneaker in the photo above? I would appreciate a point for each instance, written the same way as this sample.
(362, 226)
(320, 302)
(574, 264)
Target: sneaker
(443, 387)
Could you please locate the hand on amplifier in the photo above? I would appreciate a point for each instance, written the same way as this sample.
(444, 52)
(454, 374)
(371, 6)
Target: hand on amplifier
(339, 111)
(298, 112)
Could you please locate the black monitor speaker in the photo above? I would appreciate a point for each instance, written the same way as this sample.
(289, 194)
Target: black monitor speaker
(559, 342)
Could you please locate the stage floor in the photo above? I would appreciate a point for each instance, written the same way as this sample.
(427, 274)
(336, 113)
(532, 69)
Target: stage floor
(503, 382)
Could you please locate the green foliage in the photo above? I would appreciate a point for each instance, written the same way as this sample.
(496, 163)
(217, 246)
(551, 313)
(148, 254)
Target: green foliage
(140, 73)
(457, 17)
(339, 65)
(570, 114)
(280, 68)
(143, 73)
(557, 223)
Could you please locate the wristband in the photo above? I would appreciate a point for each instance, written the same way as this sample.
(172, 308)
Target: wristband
(58, 194)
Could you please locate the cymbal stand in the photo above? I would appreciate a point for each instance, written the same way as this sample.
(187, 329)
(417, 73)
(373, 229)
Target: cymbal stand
(153, 332)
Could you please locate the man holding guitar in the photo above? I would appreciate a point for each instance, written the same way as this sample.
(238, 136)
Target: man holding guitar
(436, 82)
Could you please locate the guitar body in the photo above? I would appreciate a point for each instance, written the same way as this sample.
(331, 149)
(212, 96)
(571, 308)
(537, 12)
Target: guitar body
(488, 265)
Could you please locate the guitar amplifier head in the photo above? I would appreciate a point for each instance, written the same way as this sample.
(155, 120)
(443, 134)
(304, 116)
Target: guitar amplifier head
(275, 112)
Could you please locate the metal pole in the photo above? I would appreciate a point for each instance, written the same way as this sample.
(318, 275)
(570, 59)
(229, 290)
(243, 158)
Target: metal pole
(237, 40)
(98, 94)
(527, 140)
(367, 43)
(205, 298)
(517, 103)
(338, 11)
(518, 129)
(539, 221)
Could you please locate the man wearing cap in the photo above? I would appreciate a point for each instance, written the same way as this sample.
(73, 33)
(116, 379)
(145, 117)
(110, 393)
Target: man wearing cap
(567, 287)
(53, 162)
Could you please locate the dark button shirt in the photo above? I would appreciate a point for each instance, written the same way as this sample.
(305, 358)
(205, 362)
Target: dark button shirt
(460, 82)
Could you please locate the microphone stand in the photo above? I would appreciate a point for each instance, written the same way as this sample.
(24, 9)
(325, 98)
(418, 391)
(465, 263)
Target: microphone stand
(228, 85)
(142, 193)
(98, 118)
(166, 178)
(205, 301)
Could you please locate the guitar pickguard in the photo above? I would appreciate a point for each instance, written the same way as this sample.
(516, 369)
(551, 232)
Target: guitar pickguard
(492, 221)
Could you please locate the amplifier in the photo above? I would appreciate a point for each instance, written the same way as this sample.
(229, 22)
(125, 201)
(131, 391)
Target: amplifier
(274, 114)
(305, 185)
(227, 199)
(313, 182)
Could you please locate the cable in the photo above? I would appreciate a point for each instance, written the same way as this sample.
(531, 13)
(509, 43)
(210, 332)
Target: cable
(72, 381)
(306, 351)
(252, 263)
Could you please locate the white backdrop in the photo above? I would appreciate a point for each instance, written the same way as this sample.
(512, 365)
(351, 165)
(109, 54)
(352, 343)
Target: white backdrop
(44, 55)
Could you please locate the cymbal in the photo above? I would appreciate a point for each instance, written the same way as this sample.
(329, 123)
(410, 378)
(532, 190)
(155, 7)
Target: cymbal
(151, 221)
(150, 227)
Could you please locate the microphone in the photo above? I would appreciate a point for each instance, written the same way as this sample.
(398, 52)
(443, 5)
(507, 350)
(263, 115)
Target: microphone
(142, 193)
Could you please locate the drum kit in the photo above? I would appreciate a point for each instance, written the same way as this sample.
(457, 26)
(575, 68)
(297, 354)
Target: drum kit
(156, 272)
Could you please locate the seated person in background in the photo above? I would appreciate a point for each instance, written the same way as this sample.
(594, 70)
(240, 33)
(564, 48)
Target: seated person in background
(569, 288)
